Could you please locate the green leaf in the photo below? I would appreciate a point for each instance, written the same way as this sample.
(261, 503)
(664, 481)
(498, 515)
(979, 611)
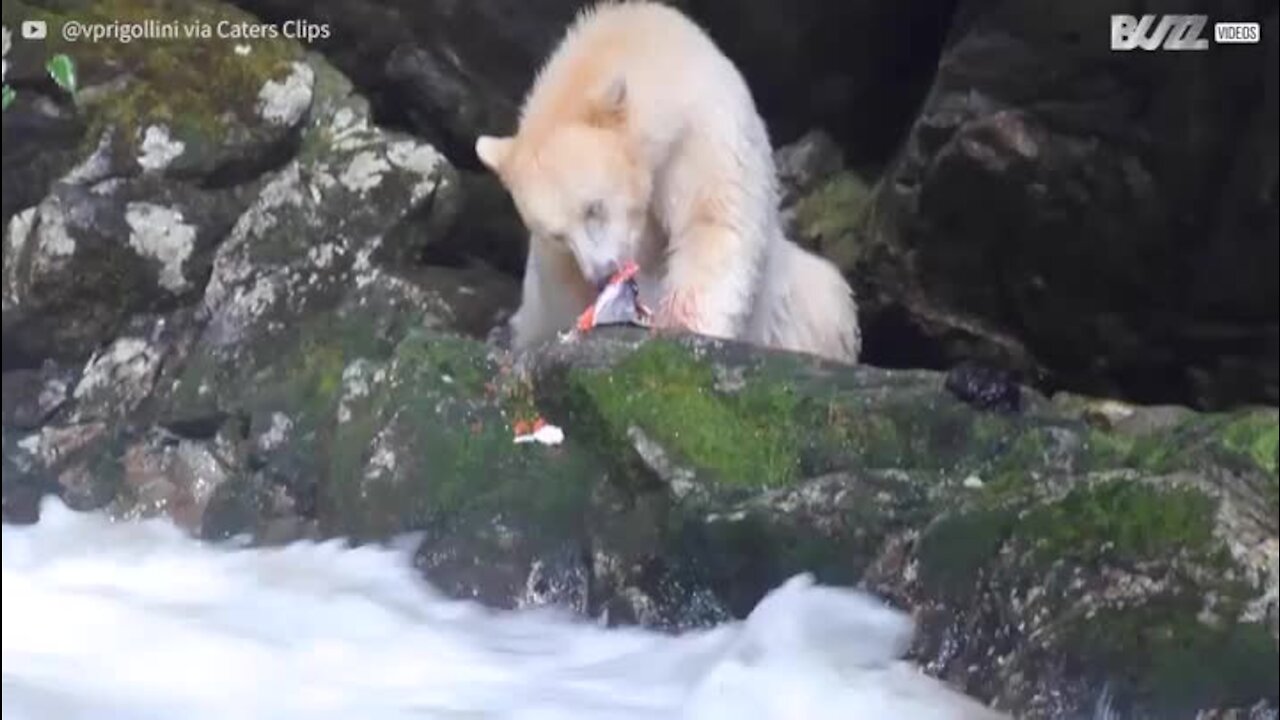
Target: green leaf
(9, 95)
(63, 71)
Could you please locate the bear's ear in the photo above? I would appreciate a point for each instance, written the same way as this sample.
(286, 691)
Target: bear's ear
(610, 106)
(492, 151)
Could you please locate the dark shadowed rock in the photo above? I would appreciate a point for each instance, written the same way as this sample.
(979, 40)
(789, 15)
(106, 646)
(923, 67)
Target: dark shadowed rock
(805, 164)
(985, 388)
(452, 70)
(40, 145)
(502, 562)
(32, 396)
(855, 69)
(23, 485)
(1098, 220)
(485, 226)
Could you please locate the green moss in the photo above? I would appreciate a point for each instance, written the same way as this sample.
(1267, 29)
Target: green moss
(456, 461)
(989, 433)
(1160, 453)
(1175, 662)
(834, 207)
(1255, 436)
(197, 87)
(321, 372)
(954, 550)
(909, 432)
(1123, 520)
(449, 359)
(744, 438)
(849, 436)
(1026, 452)
(832, 215)
(310, 381)
(1247, 440)
(1154, 453)
(1105, 450)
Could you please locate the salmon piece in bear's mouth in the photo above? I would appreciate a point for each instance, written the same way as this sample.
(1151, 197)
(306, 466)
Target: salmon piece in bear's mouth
(618, 302)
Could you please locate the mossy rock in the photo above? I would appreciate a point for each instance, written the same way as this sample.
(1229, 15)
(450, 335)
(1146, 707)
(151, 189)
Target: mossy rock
(210, 93)
(763, 420)
(1118, 576)
(1173, 661)
(1254, 437)
(1009, 531)
(385, 422)
(739, 435)
(1122, 521)
(434, 445)
(372, 420)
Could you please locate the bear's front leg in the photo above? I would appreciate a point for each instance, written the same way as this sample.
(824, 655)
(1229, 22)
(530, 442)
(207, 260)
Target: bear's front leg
(712, 271)
(554, 293)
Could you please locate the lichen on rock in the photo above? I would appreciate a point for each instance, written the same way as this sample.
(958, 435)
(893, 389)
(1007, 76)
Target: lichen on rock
(283, 102)
(158, 148)
(161, 234)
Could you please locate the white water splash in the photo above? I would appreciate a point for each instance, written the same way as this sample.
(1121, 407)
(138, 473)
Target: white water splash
(138, 621)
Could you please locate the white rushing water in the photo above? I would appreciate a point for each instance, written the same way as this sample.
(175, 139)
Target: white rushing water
(139, 621)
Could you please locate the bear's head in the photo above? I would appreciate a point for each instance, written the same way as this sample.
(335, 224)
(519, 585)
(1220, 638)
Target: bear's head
(578, 184)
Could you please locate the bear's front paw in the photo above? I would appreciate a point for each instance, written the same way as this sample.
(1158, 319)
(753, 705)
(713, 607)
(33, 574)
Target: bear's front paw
(677, 313)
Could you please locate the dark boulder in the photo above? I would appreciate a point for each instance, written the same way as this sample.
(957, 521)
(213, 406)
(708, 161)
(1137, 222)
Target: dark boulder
(1099, 220)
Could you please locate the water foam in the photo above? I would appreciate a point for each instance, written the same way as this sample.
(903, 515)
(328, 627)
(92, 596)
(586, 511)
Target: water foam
(140, 621)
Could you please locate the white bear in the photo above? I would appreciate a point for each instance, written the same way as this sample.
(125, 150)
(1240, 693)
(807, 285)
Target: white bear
(640, 141)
